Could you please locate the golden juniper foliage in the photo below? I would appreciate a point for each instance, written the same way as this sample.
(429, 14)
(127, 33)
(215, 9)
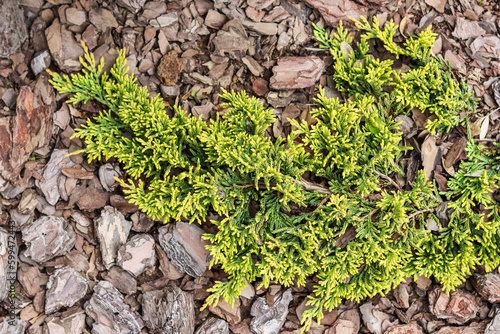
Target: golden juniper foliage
(424, 85)
(358, 231)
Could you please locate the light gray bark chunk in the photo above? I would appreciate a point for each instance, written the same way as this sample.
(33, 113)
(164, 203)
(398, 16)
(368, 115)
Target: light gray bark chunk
(185, 248)
(107, 174)
(133, 5)
(17, 326)
(65, 287)
(494, 326)
(465, 29)
(269, 320)
(138, 254)
(13, 30)
(112, 231)
(169, 311)
(213, 326)
(40, 62)
(73, 324)
(110, 312)
(51, 173)
(47, 238)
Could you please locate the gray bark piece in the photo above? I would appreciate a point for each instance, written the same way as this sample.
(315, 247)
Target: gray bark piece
(269, 320)
(375, 320)
(169, 311)
(138, 254)
(110, 312)
(80, 218)
(17, 327)
(41, 62)
(102, 19)
(31, 279)
(122, 280)
(8, 191)
(63, 47)
(213, 326)
(264, 28)
(488, 286)
(133, 5)
(13, 30)
(47, 238)
(112, 231)
(495, 87)
(9, 97)
(24, 213)
(107, 173)
(165, 20)
(185, 248)
(488, 47)
(232, 40)
(51, 173)
(494, 326)
(73, 324)
(465, 29)
(20, 220)
(64, 289)
(5, 267)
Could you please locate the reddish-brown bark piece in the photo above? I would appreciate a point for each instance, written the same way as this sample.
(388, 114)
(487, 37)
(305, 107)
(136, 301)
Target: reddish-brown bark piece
(20, 135)
(336, 10)
(296, 72)
(488, 286)
(457, 308)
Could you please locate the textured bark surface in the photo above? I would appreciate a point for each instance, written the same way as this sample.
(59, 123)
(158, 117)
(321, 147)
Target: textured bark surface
(268, 320)
(494, 326)
(110, 312)
(138, 254)
(66, 287)
(52, 172)
(488, 286)
(334, 11)
(457, 308)
(169, 311)
(213, 326)
(47, 238)
(296, 72)
(112, 231)
(63, 47)
(12, 27)
(6, 268)
(17, 327)
(185, 248)
(20, 135)
(74, 323)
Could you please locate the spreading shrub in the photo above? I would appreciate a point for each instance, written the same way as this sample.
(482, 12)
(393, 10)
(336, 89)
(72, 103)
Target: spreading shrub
(321, 202)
